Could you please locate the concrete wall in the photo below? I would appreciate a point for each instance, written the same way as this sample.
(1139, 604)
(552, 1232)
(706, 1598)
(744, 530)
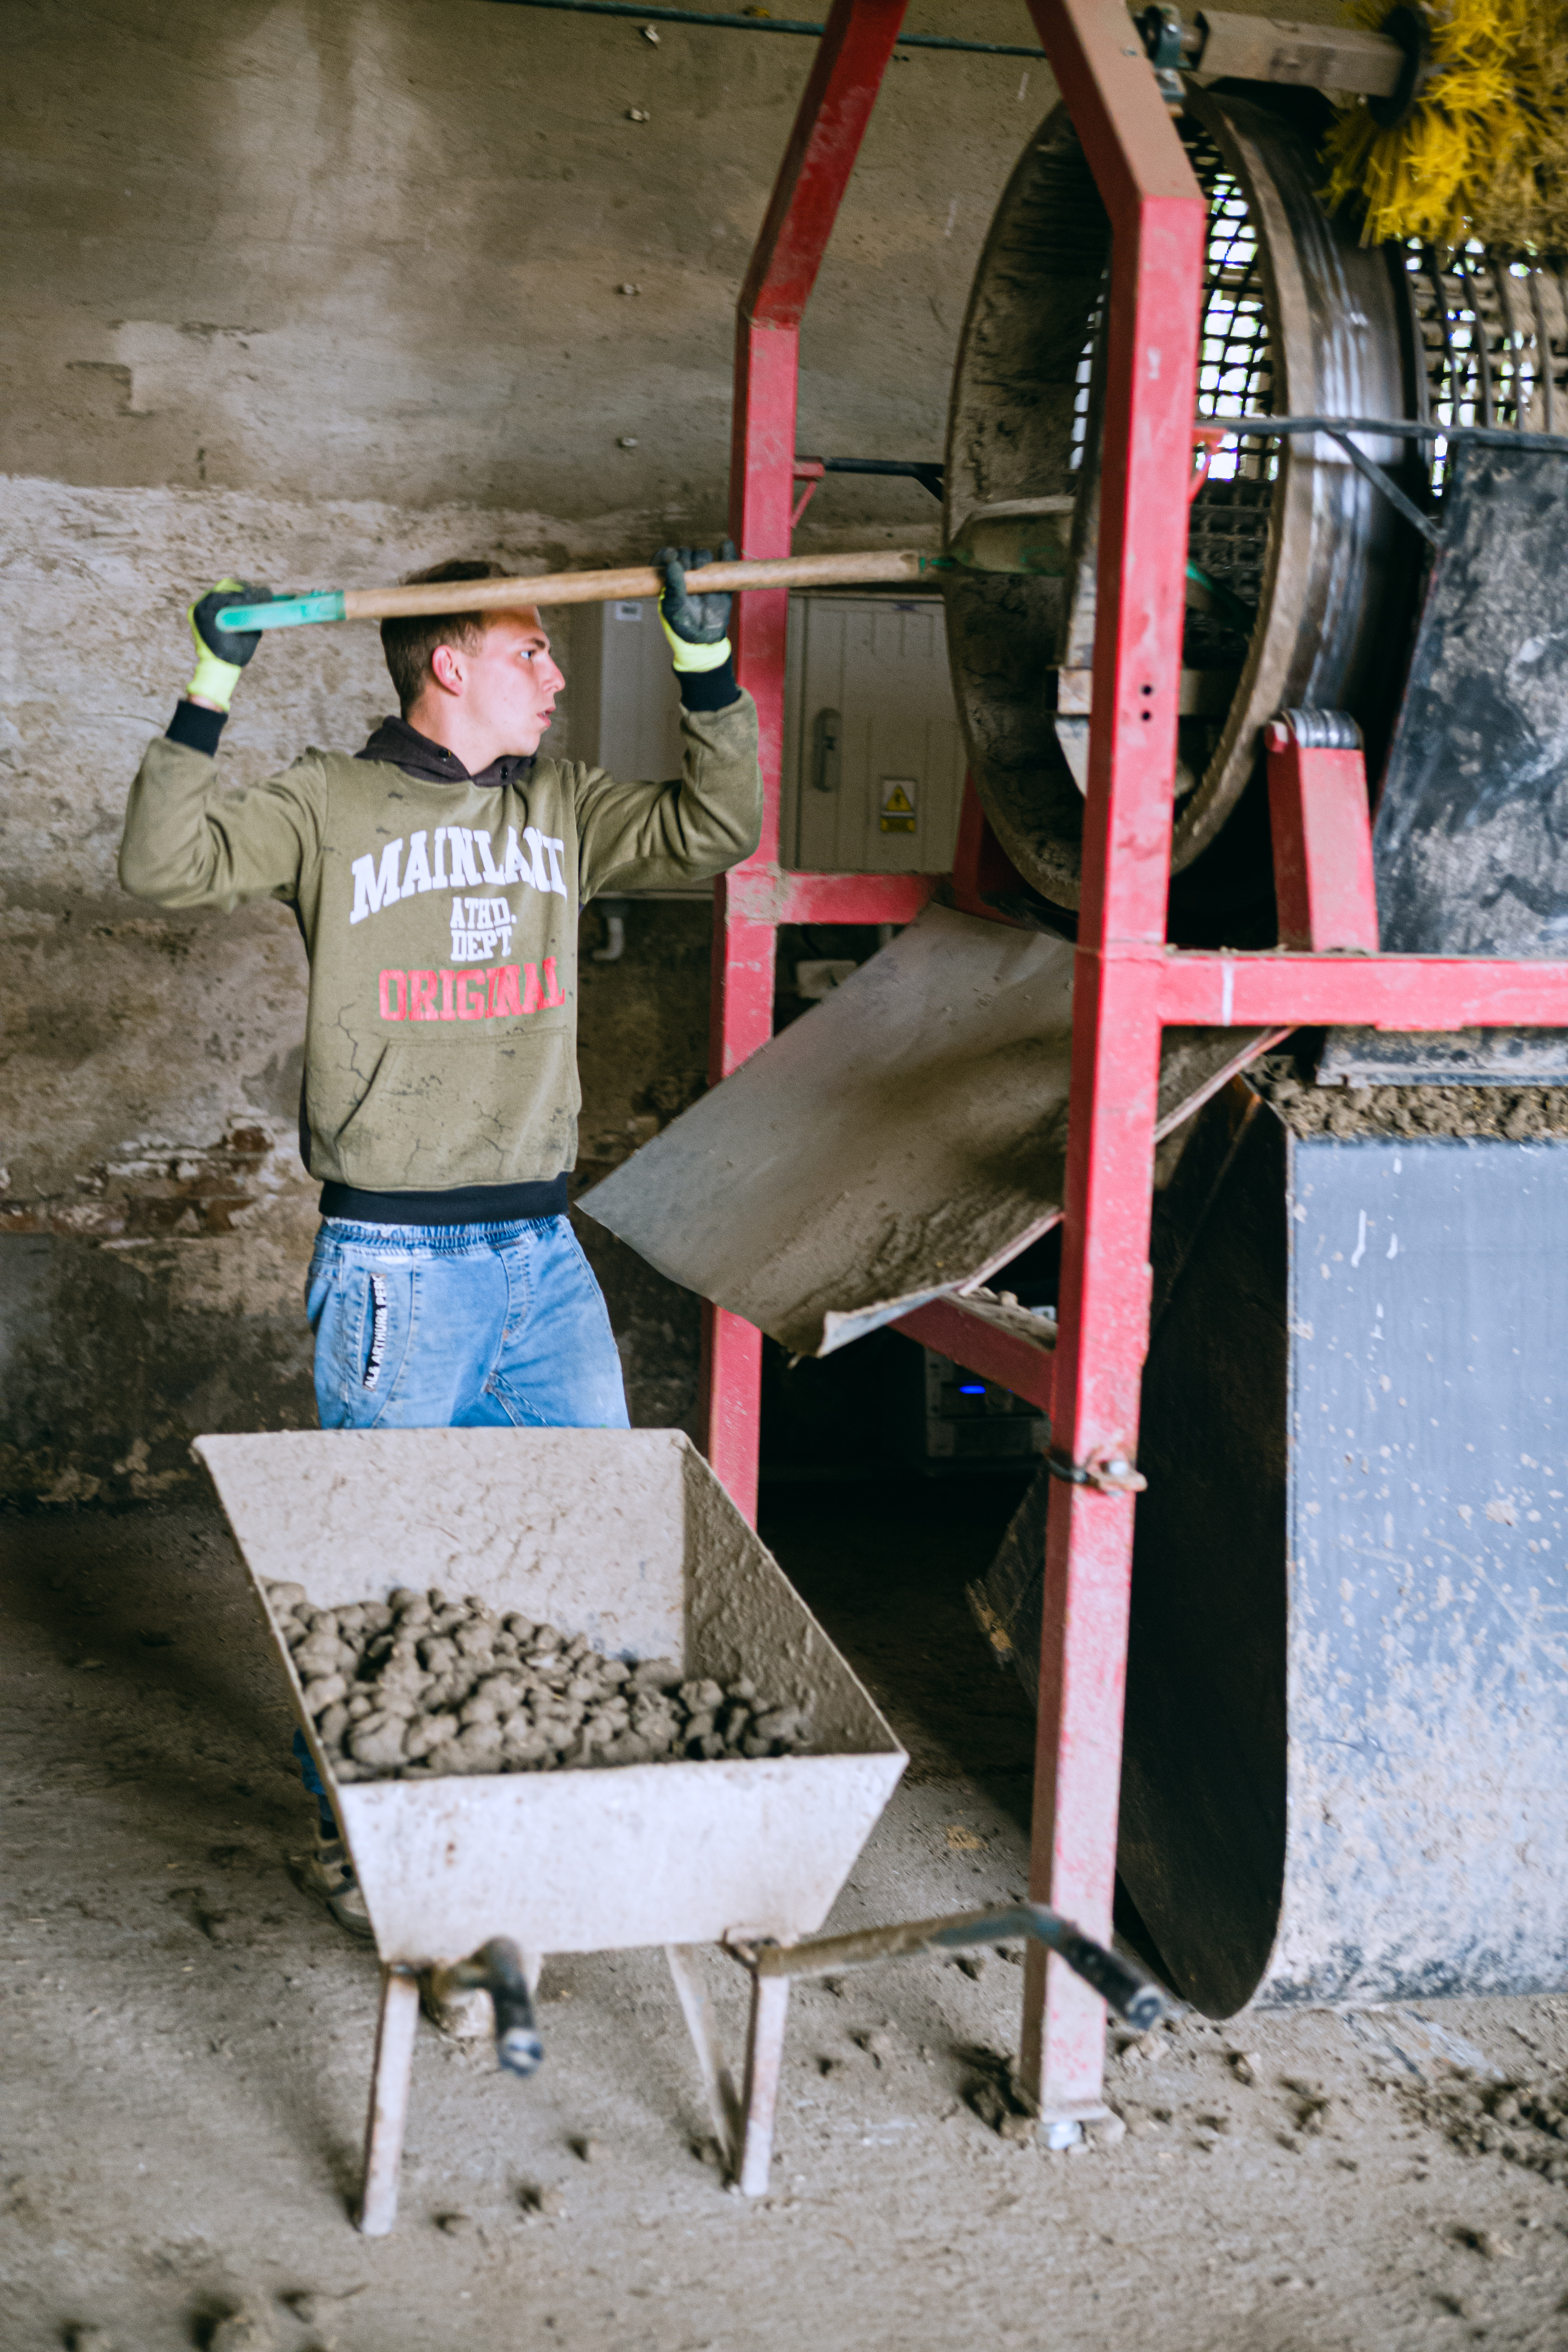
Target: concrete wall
(371, 248)
(318, 291)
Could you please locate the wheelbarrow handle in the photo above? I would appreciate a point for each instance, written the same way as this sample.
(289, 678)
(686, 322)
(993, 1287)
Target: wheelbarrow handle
(1126, 1990)
(1131, 1995)
(497, 1967)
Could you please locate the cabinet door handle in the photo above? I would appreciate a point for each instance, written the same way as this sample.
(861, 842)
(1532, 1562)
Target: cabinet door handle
(825, 729)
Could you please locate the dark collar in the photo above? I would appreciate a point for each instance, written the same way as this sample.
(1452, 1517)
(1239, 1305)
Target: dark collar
(401, 746)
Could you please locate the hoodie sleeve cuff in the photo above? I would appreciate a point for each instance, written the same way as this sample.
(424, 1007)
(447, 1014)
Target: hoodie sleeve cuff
(197, 729)
(709, 689)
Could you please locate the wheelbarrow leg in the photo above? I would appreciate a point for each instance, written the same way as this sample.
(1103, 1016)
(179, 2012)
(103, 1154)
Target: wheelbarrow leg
(388, 2099)
(718, 2087)
(764, 2057)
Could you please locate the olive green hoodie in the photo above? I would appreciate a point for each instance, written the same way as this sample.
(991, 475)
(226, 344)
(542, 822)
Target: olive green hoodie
(440, 918)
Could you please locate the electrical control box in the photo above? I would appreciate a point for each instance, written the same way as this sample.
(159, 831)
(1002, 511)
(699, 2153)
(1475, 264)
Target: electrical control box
(874, 761)
(621, 703)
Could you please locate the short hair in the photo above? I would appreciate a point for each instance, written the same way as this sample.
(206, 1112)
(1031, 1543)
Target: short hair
(409, 644)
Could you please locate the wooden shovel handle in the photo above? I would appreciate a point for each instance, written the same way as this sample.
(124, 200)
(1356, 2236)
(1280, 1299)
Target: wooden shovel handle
(639, 580)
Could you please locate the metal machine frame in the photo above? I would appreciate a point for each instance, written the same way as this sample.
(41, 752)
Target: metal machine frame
(1128, 984)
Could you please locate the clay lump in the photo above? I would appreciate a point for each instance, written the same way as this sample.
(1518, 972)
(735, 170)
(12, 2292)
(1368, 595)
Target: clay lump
(418, 1687)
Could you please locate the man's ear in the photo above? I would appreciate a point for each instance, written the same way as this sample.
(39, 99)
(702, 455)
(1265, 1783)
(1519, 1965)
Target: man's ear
(447, 670)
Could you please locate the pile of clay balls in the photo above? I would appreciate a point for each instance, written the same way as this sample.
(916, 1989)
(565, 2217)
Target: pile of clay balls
(418, 1686)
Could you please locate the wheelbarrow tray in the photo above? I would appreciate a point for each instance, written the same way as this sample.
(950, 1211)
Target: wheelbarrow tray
(627, 1536)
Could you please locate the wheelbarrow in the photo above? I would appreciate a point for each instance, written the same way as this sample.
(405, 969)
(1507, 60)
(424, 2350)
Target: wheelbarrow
(625, 1536)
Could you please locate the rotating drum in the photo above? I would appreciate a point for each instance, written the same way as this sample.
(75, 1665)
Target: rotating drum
(1310, 579)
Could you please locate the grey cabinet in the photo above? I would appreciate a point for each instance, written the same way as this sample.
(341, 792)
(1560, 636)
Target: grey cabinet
(873, 767)
(873, 761)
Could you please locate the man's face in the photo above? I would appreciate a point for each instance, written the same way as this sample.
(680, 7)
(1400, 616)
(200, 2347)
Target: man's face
(507, 687)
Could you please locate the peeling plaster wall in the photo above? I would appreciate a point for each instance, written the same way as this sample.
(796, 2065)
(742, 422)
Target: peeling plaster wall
(155, 1222)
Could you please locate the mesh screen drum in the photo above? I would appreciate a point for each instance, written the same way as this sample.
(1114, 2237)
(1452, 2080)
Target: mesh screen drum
(1304, 575)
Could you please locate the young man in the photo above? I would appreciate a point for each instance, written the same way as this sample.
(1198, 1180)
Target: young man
(437, 877)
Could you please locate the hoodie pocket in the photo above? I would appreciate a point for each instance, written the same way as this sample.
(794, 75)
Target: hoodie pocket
(374, 1125)
(446, 1111)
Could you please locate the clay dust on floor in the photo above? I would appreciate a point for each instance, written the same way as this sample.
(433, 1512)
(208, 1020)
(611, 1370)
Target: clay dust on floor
(190, 2037)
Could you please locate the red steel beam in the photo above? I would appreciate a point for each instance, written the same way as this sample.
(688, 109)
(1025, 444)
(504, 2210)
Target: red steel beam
(1320, 820)
(1252, 989)
(851, 58)
(770, 895)
(1158, 223)
(1024, 1367)
(845, 75)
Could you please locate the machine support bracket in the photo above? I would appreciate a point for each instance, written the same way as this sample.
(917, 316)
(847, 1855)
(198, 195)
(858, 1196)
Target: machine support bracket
(1110, 1473)
(1321, 823)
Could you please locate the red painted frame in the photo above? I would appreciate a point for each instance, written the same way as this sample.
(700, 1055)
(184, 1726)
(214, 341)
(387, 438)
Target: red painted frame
(754, 898)
(1128, 985)
(1316, 814)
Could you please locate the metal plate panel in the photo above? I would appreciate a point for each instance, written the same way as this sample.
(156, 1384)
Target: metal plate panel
(899, 1142)
(1347, 1685)
(1428, 1592)
(1471, 838)
(1470, 842)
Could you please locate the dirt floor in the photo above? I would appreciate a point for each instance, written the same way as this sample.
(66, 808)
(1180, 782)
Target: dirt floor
(189, 2040)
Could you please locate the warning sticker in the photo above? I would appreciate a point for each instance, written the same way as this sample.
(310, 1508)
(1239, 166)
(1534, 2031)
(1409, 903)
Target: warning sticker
(898, 798)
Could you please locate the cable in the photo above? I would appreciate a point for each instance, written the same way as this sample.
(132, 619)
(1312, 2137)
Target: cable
(763, 24)
(1404, 428)
(1340, 429)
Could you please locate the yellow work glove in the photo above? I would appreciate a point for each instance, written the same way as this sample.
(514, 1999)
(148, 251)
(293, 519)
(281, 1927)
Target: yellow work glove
(222, 653)
(696, 626)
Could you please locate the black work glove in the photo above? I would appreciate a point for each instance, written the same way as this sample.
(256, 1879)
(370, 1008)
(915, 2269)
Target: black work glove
(222, 653)
(698, 627)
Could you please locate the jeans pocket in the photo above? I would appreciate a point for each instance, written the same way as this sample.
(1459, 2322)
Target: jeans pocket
(363, 1315)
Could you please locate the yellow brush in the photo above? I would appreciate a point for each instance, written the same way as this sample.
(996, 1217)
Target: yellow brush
(1483, 152)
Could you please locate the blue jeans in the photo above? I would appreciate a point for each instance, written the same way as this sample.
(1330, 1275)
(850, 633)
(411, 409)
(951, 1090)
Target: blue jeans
(460, 1326)
(456, 1327)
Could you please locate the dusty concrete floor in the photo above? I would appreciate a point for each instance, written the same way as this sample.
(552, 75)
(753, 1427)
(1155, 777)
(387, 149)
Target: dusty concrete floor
(188, 2042)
